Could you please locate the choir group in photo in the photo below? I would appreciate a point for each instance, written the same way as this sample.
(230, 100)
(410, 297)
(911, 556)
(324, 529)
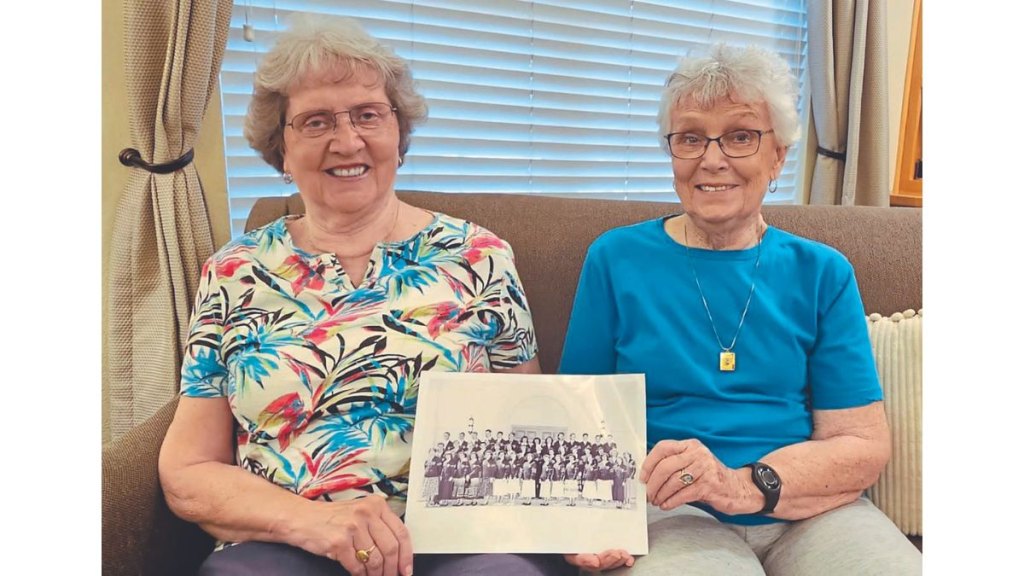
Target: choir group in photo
(525, 469)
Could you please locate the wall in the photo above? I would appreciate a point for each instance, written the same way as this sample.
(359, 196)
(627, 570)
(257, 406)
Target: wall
(209, 157)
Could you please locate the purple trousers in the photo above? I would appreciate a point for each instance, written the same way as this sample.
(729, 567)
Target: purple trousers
(266, 558)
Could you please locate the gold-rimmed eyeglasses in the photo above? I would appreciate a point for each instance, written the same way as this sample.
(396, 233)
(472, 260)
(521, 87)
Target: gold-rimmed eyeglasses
(734, 144)
(364, 118)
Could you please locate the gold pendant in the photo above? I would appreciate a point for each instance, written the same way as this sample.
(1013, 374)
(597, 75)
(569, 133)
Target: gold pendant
(727, 361)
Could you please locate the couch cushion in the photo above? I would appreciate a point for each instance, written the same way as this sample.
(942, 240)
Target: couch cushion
(896, 341)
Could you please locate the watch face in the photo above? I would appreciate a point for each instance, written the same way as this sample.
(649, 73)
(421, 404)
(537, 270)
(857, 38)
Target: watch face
(768, 477)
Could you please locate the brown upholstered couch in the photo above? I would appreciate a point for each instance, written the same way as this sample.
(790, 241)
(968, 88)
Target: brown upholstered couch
(549, 237)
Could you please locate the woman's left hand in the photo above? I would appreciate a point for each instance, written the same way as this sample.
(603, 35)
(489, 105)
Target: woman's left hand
(607, 560)
(679, 472)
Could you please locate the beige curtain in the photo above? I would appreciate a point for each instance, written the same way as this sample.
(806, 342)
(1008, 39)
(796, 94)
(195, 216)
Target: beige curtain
(161, 235)
(847, 51)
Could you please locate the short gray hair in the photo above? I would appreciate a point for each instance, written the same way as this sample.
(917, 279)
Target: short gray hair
(316, 44)
(750, 73)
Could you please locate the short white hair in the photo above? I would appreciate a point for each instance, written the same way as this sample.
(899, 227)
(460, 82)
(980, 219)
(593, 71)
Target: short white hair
(751, 74)
(317, 45)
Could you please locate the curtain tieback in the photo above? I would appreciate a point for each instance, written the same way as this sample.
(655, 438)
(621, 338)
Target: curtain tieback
(832, 154)
(132, 157)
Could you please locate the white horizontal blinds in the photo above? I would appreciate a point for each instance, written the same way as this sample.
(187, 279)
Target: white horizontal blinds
(473, 62)
(527, 97)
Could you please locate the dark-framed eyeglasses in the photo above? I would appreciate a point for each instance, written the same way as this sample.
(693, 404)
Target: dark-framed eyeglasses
(734, 144)
(364, 118)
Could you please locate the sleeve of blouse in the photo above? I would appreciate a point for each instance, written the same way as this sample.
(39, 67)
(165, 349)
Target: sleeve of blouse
(515, 341)
(203, 373)
(841, 366)
(590, 339)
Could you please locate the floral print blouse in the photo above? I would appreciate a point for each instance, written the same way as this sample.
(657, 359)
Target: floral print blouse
(322, 376)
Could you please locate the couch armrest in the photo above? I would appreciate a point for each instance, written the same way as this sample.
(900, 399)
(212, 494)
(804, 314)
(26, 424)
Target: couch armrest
(140, 533)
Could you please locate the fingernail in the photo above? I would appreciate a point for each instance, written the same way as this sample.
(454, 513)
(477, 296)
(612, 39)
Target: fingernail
(408, 570)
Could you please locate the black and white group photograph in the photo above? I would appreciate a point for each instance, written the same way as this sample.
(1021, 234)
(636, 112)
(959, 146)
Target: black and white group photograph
(544, 463)
(528, 468)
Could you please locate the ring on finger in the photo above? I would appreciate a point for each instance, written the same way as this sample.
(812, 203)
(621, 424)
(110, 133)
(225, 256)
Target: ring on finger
(364, 555)
(686, 478)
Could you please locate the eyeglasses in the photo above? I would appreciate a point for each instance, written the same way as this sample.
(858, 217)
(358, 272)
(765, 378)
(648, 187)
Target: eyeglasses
(735, 144)
(364, 118)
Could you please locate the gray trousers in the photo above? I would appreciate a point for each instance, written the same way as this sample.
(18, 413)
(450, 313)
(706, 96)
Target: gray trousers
(855, 540)
(272, 559)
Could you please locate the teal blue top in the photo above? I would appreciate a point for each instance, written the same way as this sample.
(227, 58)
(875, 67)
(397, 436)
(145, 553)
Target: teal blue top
(803, 346)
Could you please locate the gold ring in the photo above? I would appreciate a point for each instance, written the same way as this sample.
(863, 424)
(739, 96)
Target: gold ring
(364, 555)
(685, 477)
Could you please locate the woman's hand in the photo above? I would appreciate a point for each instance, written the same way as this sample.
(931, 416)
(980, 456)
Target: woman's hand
(338, 530)
(673, 461)
(607, 560)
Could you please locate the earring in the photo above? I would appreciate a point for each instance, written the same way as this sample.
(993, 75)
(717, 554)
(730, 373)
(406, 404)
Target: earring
(401, 161)
(287, 177)
(773, 185)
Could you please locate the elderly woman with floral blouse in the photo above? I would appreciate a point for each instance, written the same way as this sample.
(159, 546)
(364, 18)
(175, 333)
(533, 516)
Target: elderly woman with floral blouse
(291, 440)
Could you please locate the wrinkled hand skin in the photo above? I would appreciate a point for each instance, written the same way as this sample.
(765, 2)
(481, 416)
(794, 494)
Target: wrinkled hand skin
(714, 483)
(337, 529)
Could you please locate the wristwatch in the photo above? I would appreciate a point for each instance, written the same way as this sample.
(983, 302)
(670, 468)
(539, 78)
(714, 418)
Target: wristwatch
(768, 482)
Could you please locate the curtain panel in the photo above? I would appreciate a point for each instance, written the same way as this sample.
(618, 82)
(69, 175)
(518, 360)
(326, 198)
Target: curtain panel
(161, 235)
(847, 51)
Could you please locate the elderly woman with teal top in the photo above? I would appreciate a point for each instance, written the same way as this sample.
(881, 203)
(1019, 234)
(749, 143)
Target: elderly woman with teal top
(291, 441)
(764, 409)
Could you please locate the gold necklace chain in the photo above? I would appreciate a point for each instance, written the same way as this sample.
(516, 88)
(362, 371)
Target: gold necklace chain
(726, 358)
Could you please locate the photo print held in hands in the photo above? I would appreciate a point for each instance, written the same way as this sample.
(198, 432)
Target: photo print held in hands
(544, 463)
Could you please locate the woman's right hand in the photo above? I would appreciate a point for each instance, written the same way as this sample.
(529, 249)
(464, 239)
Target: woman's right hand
(338, 529)
(203, 485)
(607, 560)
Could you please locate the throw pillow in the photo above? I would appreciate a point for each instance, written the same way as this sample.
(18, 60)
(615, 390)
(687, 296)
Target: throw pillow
(896, 341)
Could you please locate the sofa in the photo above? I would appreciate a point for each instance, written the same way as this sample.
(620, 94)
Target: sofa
(549, 236)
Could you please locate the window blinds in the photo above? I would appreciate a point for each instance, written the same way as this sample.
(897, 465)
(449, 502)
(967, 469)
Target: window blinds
(539, 97)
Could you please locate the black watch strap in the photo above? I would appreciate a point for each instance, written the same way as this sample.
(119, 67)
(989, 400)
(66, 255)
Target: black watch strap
(768, 482)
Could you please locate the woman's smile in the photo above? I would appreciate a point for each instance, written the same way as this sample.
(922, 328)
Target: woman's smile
(715, 187)
(350, 171)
